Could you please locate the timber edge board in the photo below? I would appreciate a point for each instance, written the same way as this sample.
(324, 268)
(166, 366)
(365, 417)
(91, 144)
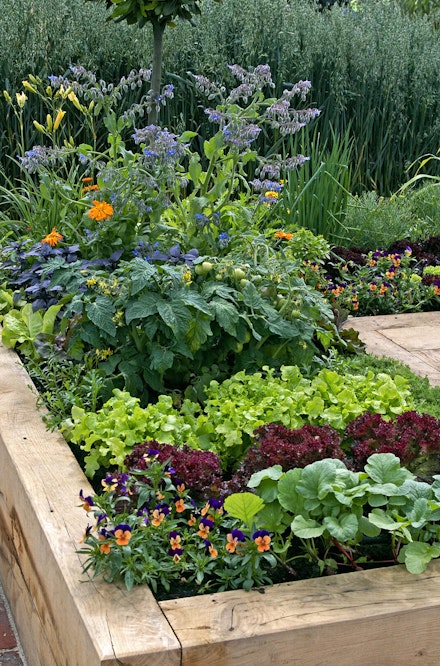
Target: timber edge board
(381, 617)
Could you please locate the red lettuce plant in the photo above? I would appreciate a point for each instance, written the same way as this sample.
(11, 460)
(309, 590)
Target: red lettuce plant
(200, 471)
(413, 437)
(278, 445)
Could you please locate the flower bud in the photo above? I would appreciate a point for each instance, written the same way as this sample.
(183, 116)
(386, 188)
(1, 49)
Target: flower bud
(49, 122)
(7, 96)
(21, 99)
(29, 87)
(39, 127)
(58, 119)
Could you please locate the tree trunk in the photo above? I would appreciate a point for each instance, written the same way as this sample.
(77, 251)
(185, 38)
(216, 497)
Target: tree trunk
(156, 72)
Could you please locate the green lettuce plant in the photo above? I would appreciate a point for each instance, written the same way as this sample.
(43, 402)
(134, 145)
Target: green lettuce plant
(231, 412)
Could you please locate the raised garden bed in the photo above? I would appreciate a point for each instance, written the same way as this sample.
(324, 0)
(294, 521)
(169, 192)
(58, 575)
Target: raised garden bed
(382, 616)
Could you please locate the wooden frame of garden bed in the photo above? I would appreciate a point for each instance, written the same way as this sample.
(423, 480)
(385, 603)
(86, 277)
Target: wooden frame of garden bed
(384, 617)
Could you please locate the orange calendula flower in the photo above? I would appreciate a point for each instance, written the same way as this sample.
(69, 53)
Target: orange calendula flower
(53, 238)
(89, 188)
(122, 535)
(284, 235)
(87, 179)
(101, 210)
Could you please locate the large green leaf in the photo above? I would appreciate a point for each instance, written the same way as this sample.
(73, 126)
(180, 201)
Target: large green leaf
(141, 274)
(306, 528)
(417, 555)
(101, 313)
(243, 506)
(385, 468)
(175, 315)
(343, 528)
(142, 307)
(226, 314)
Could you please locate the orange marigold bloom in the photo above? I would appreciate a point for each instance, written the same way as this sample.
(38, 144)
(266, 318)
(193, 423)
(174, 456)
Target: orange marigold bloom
(53, 238)
(101, 210)
(123, 537)
(263, 543)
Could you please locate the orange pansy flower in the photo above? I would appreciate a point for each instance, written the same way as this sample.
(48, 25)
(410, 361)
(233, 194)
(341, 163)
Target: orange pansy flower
(123, 537)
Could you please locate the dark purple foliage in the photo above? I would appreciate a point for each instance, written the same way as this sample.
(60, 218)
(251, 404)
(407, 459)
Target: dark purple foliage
(200, 471)
(278, 445)
(411, 437)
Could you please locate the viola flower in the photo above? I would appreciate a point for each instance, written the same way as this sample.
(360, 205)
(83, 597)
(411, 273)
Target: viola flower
(192, 521)
(104, 547)
(175, 553)
(53, 238)
(175, 541)
(110, 483)
(212, 504)
(101, 210)
(205, 525)
(210, 549)
(86, 533)
(233, 539)
(180, 505)
(262, 539)
(86, 500)
(123, 534)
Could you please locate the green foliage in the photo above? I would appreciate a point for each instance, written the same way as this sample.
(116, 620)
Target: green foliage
(316, 195)
(331, 509)
(388, 99)
(23, 328)
(110, 433)
(426, 398)
(232, 411)
(374, 221)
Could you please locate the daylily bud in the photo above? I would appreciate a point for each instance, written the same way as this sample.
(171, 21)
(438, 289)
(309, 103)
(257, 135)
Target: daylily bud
(75, 101)
(49, 122)
(7, 96)
(29, 87)
(39, 127)
(58, 119)
(49, 91)
(21, 99)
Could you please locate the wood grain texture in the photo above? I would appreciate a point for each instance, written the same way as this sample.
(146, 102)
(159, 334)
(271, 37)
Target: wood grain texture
(62, 620)
(384, 617)
(373, 618)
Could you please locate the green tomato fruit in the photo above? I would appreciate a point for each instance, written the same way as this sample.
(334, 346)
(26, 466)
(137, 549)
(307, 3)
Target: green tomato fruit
(203, 268)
